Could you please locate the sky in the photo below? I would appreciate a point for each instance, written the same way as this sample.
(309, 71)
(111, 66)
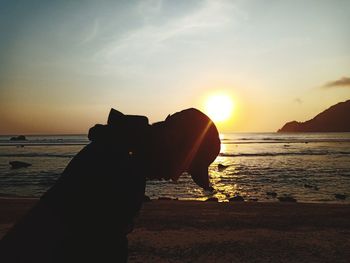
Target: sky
(64, 64)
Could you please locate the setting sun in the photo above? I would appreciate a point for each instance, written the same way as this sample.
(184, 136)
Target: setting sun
(219, 107)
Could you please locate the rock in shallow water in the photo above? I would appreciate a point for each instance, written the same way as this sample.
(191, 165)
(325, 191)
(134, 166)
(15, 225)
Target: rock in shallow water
(212, 199)
(340, 196)
(287, 199)
(272, 194)
(167, 198)
(18, 138)
(222, 167)
(236, 198)
(18, 164)
(311, 186)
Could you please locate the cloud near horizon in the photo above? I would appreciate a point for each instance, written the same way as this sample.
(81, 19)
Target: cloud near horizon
(343, 82)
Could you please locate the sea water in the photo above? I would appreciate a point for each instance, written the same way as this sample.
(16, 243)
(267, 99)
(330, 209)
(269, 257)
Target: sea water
(310, 167)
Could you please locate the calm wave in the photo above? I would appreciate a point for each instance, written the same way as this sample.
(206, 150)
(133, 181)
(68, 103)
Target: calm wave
(311, 167)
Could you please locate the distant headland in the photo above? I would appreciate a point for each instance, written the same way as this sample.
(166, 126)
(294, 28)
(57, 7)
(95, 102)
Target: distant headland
(334, 119)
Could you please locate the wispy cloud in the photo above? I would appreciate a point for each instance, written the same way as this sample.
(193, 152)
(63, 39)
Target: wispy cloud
(152, 37)
(343, 82)
(92, 33)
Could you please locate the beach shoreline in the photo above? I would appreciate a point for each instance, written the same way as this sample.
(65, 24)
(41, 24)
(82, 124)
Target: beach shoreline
(195, 231)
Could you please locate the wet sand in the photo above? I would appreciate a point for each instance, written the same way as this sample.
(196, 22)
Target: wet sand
(190, 231)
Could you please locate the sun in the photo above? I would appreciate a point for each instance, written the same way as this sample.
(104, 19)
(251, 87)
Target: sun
(219, 107)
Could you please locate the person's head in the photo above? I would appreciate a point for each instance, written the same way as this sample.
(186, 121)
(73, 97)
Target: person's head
(187, 141)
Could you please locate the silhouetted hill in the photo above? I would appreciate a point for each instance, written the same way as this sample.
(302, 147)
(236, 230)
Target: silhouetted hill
(334, 119)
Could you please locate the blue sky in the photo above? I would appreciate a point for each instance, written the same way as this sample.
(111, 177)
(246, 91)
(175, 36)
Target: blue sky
(64, 64)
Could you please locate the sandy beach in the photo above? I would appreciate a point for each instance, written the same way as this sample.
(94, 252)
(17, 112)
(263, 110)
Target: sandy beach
(192, 231)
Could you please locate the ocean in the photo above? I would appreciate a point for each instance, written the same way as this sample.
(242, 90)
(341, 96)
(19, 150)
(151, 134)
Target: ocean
(310, 167)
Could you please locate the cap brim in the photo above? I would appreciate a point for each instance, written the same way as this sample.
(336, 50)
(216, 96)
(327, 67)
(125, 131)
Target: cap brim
(201, 177)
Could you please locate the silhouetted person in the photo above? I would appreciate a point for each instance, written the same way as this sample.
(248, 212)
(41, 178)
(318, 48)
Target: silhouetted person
(87, 214)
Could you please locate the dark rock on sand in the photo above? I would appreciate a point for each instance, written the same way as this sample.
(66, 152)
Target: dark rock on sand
(272, 194)
(334, 119)
(222, 167)
(18, 164)
(287, 199)
(212, 199)
(18, 138)
(236, 198)
(340, 196)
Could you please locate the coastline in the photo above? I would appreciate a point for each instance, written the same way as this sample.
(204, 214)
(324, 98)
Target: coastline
(195, 231)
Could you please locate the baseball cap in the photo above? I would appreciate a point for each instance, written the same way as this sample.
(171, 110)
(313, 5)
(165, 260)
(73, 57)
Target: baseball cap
(200, 142)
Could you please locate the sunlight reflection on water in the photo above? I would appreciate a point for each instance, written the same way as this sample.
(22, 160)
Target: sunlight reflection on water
(309, 167)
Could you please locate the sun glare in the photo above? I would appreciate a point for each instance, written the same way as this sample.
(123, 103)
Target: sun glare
(219, 107)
